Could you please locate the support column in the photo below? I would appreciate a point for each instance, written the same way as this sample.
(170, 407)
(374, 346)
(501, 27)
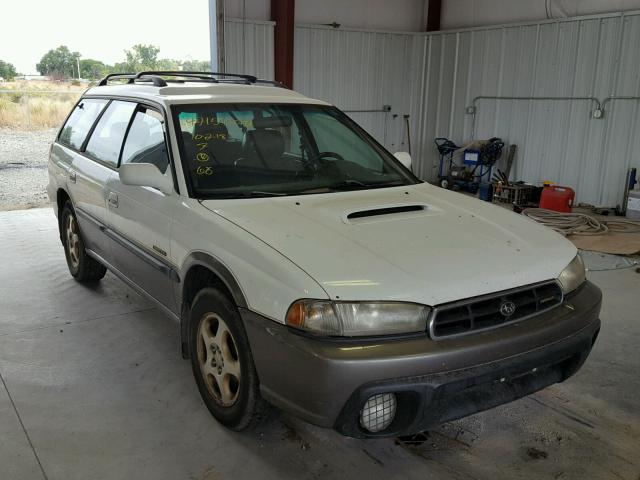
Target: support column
(434, 11)
(216, 35)
(283, 12)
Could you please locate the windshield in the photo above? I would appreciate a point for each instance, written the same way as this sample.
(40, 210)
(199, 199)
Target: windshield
(246, 150)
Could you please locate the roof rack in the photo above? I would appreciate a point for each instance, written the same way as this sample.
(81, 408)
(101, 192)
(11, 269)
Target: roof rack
(155, 77)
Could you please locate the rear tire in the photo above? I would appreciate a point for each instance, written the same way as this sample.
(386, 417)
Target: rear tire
(81, 266)
(222, 363)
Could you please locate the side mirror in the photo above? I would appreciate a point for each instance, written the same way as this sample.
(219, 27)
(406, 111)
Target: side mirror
(145, 175)
(404, 158)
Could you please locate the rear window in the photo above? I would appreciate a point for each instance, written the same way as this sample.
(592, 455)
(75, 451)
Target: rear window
(106, 140)
(80, 121)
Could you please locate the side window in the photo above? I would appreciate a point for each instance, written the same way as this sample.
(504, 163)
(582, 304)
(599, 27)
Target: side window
(106, 140)
(145, 141)
(80, 121)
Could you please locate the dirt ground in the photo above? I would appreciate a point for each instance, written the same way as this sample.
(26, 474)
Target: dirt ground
(23, 168)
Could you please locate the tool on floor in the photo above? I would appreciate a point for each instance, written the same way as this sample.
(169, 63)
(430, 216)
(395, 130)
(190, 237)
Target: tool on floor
(510, 159)
(500, 176)
(407, 130)
(631, 200)
(519, 194)
(500, 183)
(632, 209)
(478, 159)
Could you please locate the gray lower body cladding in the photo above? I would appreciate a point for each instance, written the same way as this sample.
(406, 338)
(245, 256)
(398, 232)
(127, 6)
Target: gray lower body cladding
(326, 382)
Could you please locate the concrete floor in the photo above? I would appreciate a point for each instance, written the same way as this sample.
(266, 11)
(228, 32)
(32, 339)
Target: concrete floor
(93, 386)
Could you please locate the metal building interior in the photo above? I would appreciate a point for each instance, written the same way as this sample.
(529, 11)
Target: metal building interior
(93, 383)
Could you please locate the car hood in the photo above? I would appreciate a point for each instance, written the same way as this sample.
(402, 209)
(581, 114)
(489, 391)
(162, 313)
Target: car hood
(433, 246)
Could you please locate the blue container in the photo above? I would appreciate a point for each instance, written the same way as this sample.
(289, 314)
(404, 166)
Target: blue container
(485, 192)
(471, 157)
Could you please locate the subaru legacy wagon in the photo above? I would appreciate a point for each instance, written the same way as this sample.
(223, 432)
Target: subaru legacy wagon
(308, 268)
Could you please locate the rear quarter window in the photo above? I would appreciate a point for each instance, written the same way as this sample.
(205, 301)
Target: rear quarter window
(77, 126)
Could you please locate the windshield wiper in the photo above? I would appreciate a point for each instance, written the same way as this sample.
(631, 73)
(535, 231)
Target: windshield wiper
(260, 193)
(348, 184)
(251, 194)
(351, 184)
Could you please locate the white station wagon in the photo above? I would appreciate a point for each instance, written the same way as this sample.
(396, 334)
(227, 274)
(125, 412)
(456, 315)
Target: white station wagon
(308, 267)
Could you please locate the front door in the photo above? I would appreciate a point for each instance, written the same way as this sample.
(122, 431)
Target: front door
(140, 217)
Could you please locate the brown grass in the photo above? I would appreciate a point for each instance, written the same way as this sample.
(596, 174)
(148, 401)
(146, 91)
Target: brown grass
(36, 85)
(29, 106)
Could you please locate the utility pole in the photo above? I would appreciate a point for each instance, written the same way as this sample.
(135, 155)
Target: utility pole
(78, 62)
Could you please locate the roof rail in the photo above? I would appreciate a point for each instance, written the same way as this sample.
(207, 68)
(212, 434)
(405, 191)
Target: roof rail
(131, 78)
(155, 77)
(198, 75)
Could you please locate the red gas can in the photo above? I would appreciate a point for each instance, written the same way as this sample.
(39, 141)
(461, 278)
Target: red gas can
(557, 198)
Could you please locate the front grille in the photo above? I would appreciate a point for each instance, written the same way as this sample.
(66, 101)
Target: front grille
(484, 312)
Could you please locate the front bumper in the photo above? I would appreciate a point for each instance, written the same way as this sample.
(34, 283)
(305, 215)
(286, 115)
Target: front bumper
(326, 382)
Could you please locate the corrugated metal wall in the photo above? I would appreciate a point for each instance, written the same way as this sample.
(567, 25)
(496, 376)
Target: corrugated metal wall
(434, 77)
(362, 70)
(249, 47)
(557, 140)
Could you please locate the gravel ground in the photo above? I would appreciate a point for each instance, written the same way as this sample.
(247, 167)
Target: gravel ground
(23, 168)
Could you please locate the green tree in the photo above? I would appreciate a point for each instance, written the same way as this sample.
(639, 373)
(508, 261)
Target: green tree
(196, 65)
(141, 57)
(93, 69)
(7, 70)
(168, 64)
(60, 62)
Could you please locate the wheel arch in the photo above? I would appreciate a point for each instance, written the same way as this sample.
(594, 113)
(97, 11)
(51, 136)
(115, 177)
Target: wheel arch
(203, 270)
(61, 198)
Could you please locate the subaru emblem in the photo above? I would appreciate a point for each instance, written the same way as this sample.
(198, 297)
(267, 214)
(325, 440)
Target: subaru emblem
(507, 308)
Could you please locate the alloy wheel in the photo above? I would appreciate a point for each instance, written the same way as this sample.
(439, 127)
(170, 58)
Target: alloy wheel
(73, 240)
(218, 359)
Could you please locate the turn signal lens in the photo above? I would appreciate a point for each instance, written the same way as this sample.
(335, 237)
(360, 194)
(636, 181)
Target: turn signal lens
(296, 314)
(316, 316)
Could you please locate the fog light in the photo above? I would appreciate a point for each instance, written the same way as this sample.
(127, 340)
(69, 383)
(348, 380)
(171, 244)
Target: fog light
(377, 414)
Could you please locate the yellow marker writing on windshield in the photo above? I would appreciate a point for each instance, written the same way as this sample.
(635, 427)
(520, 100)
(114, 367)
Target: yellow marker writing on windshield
(204, 171)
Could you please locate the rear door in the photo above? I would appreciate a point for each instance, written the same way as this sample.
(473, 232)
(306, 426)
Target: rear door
(93, 167)
(85, 179)
(140, 217)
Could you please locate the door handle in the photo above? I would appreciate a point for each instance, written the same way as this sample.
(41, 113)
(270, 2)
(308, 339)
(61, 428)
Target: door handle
(72, 176)
(113, 199)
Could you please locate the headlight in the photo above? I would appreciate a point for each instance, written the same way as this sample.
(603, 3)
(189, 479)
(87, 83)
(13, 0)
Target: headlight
(350, 319)
(573, 276)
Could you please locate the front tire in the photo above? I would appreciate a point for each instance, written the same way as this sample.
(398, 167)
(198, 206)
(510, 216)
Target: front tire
(81, 266)
(222, 363)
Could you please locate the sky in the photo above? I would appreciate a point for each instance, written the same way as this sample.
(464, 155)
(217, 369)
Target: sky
(102, 30)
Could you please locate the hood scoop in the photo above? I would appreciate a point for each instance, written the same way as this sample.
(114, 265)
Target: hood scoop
(382, 212)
